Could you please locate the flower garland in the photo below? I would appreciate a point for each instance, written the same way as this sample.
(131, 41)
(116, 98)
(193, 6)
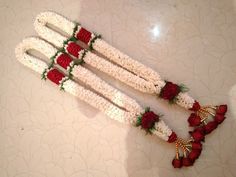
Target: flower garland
(74, 68)
(56, 76)
(147, 119)
(68, 45)
(131, 72)
(143, 75)
(204, 119)
(169, 91)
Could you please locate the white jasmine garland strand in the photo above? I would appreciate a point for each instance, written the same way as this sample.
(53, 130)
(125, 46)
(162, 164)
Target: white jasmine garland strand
(105, 89)
(162, 130)
(29, 61)
(84, 94)
(95, 61)
(82, 74)
(43, 19)
(98, 102)
(100, 45)
(125, 61)
(69, 85)
(119, 73)
(113, 54)
(184, 100)
(57, 20)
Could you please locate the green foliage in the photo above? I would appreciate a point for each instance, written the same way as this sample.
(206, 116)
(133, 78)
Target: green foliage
(147, 109)
(61, 86)
(93, 40)
(72, 38)
(183, 88)
(139, 120)
(43, 77)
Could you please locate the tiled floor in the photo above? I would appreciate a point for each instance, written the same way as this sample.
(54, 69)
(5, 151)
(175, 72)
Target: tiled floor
(45, 132)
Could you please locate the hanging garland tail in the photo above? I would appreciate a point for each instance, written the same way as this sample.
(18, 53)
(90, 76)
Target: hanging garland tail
(207, 118)
(187, 152)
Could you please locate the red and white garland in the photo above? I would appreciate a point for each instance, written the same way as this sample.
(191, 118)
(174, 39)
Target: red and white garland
(131, 71)
(131, 113)
(135, 74)
(204, 119)
(131, 109)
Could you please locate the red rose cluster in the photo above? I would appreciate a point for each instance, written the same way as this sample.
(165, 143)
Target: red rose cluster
(195, 120)
(198, 134)
(169, 91)
(148, 120)
(196, 106)
(188, 160)
(220, 113)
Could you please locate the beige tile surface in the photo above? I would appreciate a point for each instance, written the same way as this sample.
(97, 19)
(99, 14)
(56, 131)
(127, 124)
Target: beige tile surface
(45, 132)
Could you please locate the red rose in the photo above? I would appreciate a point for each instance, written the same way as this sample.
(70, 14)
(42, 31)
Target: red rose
(196, 145)
(172, 137)
(169, 91)
(73, 49)
(197, 135)
(84, 35)
(194, 120)
(148, 120)
(200, 129)
(194, 154)
(196, 106)
(177, 163)
(64, 60)
(187, 162)
(219, 118)
(210, 126)
(222, 109)
(55, 76)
